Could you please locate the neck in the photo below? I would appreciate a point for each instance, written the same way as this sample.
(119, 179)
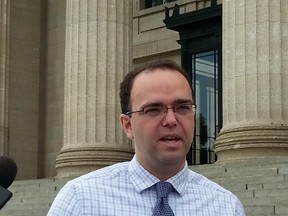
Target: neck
(163, 172)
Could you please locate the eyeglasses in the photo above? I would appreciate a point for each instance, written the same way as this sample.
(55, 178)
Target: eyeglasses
(161, 110)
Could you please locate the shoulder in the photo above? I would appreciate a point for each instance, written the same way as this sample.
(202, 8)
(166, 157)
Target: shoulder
(200, 182)
(89, 190)
(214, 195)
(119, 170)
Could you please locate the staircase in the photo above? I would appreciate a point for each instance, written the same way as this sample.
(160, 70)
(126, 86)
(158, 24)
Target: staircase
(261, 185)
(32, 197)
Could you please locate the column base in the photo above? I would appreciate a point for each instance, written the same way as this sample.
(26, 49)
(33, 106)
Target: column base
(252, 141)
(76, 161)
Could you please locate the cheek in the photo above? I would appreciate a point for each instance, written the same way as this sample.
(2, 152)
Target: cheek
(188, 127)
(143, 130)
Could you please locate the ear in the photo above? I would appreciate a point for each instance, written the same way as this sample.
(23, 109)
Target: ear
(126, 125)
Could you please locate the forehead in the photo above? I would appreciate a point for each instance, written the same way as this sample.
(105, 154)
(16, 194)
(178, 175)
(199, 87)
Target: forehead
(160, 85)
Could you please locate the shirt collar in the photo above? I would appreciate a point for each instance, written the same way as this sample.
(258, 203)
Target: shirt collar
(142, 179)
(180, 180)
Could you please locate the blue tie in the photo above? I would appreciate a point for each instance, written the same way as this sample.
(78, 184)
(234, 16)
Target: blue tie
(162, 207)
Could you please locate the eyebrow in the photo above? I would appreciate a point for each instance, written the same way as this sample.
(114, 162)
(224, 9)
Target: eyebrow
(151, 104)
(176, 102)
(181, 101)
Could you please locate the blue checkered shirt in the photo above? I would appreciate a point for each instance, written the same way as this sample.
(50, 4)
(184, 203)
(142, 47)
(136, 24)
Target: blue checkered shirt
(128, 189)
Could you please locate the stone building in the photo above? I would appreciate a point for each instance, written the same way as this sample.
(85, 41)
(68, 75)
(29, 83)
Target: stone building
(61, 64)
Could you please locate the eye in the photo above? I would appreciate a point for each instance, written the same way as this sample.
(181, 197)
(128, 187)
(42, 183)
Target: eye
(152, 110)
(183, 108)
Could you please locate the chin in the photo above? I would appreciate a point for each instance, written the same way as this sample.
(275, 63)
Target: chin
(173, 159)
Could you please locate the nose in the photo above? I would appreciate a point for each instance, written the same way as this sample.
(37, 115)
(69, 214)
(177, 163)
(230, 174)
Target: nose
(169, 118)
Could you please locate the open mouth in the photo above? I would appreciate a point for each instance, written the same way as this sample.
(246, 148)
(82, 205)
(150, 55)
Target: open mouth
(170, 139)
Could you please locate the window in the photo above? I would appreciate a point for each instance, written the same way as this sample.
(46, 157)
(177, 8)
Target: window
(200, 34)
(205, 84)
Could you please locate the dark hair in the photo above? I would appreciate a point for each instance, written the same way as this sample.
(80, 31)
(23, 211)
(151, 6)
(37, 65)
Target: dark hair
(127, 83)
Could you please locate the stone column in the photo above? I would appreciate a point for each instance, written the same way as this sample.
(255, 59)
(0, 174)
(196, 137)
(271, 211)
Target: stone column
(4, 66)
(97, 55)
(255, 80)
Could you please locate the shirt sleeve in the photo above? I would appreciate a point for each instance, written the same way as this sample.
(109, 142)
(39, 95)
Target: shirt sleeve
(239, 211)
(66, 202)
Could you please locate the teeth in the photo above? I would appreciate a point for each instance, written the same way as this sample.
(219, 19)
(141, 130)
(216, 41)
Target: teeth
(170, 138)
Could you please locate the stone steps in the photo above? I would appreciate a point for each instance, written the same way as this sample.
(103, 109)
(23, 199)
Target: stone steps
(25, 212)
(261, 185)
(32, 197)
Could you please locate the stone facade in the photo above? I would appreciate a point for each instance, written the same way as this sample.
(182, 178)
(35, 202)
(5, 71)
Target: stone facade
(61, 65)
(20, 75)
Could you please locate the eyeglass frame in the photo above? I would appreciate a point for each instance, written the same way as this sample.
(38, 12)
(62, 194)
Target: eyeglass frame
(165, 111)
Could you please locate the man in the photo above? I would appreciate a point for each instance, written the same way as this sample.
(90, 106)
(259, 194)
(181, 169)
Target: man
(158, 114)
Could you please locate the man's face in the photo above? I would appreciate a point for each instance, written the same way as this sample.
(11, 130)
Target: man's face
(160, 141)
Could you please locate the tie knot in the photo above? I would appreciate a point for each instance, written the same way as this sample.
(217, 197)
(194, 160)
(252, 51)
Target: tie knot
(163, 189)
